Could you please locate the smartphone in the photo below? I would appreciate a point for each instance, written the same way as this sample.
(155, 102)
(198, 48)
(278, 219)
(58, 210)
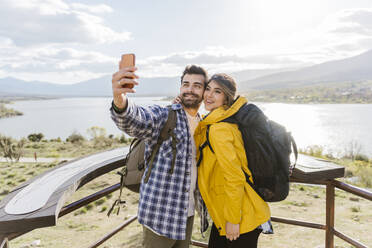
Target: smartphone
(128, 59)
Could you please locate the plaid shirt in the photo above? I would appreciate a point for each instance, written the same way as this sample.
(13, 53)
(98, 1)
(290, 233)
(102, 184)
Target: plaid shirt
(164, 199)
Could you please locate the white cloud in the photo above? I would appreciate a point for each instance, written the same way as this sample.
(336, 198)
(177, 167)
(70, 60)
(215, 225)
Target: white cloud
(41, 7)
(38, 22)
(342, 34)
(96, 9)
(49, 40)
(49, 59)
(214, 59)
(356, 21)
(67, 77)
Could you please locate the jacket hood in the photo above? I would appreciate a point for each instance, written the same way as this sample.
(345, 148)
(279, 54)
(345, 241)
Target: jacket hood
(221, 113)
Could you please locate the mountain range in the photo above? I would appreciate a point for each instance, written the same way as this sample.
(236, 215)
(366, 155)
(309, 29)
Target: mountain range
(353, 69)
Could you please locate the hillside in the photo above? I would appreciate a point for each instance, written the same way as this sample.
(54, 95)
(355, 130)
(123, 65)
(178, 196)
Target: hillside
(360, 92)
(350, 70)
(353, 69)
(94, 87)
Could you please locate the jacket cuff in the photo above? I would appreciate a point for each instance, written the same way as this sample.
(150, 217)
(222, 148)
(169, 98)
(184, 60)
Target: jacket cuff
(119, 110)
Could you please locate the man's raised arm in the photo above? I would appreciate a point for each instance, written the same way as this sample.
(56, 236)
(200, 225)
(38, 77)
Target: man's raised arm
(121, 78)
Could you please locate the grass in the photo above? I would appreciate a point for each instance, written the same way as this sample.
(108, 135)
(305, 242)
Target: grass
(55, 149)
(74, 146)
(89, 223)
(355, 209)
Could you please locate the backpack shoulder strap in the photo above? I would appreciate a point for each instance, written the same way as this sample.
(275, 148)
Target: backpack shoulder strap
(169, 125)
(208, 142)
(205, 144)
(165, 132)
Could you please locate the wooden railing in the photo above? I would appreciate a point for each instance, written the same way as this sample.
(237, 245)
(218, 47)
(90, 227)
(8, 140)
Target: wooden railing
(329, 228)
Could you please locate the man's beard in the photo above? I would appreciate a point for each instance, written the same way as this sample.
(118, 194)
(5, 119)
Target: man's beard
(191, 103)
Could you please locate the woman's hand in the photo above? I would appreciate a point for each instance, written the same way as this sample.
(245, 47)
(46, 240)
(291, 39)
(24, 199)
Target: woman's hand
(177, 99)
(232, 231)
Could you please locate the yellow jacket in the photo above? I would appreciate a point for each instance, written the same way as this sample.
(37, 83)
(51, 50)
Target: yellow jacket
(221, 180)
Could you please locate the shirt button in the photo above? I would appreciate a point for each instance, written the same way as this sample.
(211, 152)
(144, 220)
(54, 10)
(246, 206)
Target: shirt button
(187, 173)
(186, 190)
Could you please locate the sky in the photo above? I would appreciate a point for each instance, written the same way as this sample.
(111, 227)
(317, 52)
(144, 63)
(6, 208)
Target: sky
(66, 41)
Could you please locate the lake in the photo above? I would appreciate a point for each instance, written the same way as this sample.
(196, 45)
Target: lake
(336, 127)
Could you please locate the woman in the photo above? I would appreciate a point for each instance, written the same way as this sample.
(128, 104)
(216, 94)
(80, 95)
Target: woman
(235, 208)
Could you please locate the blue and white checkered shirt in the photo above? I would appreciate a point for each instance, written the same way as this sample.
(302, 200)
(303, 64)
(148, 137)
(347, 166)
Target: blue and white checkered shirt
(164, 199)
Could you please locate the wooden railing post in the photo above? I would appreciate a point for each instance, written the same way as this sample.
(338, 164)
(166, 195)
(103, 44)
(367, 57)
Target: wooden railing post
(4, 243)
(330, 214)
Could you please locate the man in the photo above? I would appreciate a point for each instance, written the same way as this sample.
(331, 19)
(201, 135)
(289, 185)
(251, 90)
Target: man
(167, 202)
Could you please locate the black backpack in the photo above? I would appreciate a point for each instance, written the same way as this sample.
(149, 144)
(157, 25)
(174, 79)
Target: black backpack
(134, 162)
(268, 147)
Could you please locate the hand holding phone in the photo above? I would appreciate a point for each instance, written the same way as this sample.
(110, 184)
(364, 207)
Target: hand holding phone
(128, 60)
(123, 80)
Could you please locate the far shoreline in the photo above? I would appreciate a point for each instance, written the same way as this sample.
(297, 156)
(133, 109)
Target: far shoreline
(255, 99)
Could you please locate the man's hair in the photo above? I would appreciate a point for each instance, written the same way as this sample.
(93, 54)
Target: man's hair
(195, 69)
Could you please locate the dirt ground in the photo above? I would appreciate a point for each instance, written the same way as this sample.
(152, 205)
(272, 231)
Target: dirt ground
(353, 216)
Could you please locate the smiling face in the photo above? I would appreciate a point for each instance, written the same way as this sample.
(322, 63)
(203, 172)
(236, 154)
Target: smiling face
(191, 92)
(213, 96)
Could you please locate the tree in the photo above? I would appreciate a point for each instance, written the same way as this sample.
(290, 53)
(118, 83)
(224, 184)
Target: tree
(98, 136)
(75, 137)
(11, 149)
(96, 132)
(35, 137)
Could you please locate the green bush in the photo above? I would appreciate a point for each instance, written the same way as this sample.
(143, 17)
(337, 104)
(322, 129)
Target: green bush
(21, 180)
(315, 150)
(53, 154)
(88, 207)
(75, 137)
(365, 175)
(4, 192)
(96, 132)
(12, 175)
(123, 139)
(11, 149)
(361, 157)
(103, 209)
(100, 201)
(355, 209)
(35, 137)
(36, 146)
(56, 140)
(81, 211)
(102, 142)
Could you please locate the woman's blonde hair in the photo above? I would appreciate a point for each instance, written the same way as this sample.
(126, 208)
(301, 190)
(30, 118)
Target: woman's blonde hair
(228, 86)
